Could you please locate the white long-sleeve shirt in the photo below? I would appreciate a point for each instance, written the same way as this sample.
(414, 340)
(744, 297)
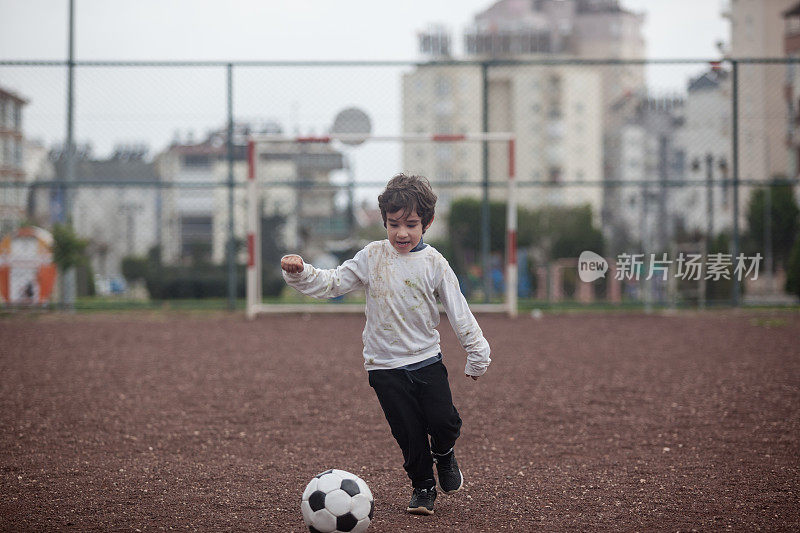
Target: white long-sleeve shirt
(401, 309)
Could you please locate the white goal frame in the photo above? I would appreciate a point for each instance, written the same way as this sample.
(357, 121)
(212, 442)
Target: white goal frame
(254, 304)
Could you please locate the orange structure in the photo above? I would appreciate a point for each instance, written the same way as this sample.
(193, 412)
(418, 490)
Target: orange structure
(27, 272)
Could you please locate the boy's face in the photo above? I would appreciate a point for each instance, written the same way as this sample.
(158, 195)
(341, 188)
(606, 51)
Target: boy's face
(404, 230)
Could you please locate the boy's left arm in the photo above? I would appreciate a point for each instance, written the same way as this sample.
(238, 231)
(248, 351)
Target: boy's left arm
(464, 324)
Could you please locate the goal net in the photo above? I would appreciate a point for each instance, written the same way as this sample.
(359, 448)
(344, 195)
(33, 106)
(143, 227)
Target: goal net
(269, 173)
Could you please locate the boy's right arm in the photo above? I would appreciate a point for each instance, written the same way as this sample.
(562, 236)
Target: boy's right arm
(292, 264)
(318, 283)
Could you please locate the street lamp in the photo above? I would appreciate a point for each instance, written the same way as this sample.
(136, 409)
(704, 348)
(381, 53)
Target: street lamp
(722, 164)
(723, 168)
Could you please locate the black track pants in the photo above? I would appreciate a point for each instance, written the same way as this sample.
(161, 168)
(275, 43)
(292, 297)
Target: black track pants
(418, 403)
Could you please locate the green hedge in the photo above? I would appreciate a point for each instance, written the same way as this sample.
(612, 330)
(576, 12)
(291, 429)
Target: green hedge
(169, 283)
(192, 282)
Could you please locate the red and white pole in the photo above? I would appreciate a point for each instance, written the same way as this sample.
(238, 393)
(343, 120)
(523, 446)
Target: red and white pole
(253, 240)
(512, 273)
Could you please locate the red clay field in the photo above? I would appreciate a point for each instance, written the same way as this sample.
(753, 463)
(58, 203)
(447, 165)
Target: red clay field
(158, 422)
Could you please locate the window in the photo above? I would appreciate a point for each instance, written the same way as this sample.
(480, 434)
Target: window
(7, 152)
(18, 117)
(18, 153)
(445, 174)
(197, 161)
(679, 163)
(442, 86)
(443, 126)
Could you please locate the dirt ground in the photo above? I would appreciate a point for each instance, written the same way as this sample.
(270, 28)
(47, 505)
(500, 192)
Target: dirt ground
(154, 422)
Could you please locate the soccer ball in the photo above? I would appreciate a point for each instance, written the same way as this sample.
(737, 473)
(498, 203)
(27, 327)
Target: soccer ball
(337, 501)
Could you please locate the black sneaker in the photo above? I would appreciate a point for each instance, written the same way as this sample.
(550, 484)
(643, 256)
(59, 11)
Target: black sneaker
(422, 501)
(450, 477)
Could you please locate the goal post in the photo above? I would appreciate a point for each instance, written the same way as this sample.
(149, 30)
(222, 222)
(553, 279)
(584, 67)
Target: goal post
(254, 304)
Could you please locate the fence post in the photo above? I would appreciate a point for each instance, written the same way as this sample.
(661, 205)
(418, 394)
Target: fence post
(231, 245)
(485, 220)
(69, 277)
(736, 292)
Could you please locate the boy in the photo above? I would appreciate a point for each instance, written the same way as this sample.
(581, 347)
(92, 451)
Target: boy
(403, 277)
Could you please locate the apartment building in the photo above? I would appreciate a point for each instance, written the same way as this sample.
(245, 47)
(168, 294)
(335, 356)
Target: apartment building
(557, 112)
(291, 178)
(757, 31)
(13, 194)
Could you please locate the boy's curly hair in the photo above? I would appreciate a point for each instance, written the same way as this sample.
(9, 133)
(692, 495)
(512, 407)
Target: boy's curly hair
(408, 193)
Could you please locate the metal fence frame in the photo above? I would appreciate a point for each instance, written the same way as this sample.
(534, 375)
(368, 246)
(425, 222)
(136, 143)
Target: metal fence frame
(69, 182)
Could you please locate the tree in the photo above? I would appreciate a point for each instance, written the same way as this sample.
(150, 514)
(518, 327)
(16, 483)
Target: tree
(573, 232)
(464, 231)
(69, 250)
(464, 225)
(784, 221)
(558, 231)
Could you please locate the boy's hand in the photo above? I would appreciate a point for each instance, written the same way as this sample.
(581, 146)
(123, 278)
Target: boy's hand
(292, 264)
(474, 378)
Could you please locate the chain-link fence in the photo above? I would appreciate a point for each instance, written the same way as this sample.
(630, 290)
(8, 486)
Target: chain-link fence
(655, 161)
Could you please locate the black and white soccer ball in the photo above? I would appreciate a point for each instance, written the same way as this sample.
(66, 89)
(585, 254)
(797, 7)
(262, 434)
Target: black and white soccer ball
(337, 501)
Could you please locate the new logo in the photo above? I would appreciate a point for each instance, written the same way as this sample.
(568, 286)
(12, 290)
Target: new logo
(591, 266)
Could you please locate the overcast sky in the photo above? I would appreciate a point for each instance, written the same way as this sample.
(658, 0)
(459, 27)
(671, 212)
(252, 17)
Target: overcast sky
(295, 29)
(129, 105)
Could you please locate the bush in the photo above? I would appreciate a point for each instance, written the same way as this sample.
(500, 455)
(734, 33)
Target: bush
(784, 221)
(721, 289)
(135, 268)
(198, 281)
(793, 269)
(171, 283)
